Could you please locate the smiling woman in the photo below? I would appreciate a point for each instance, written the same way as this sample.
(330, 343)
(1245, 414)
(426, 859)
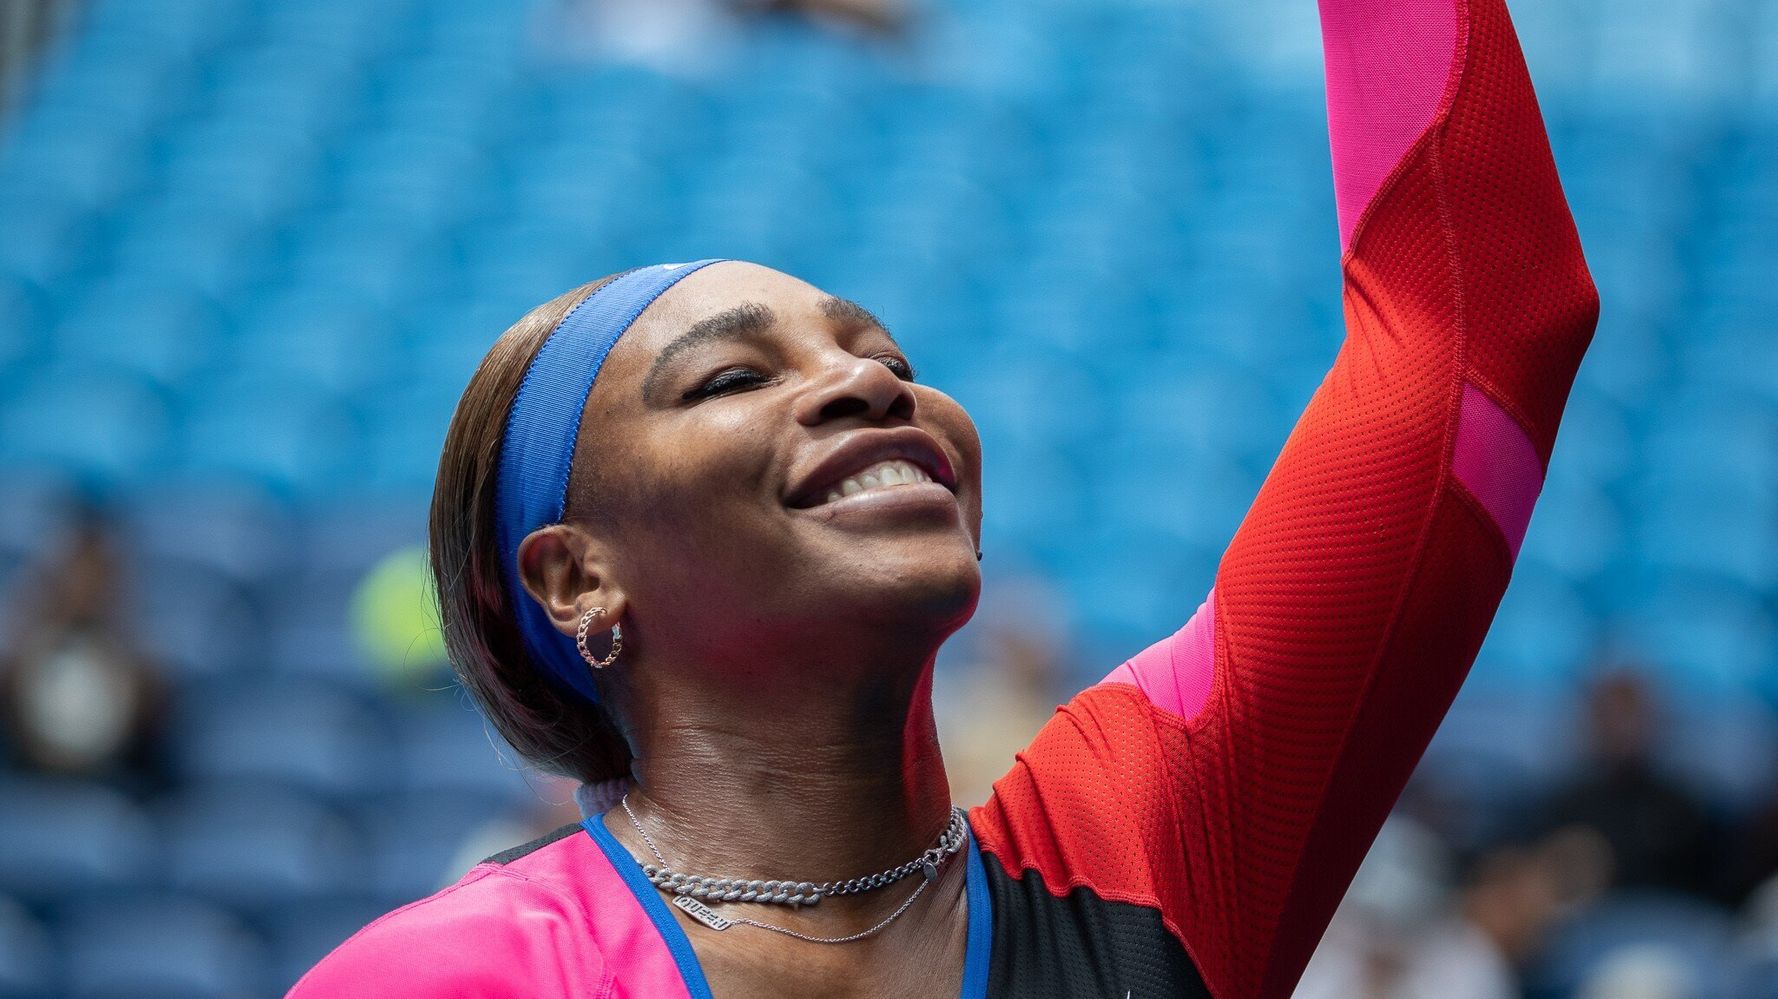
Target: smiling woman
(698, 536)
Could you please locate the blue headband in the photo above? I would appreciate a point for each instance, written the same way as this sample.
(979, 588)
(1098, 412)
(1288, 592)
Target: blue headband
(537, 452)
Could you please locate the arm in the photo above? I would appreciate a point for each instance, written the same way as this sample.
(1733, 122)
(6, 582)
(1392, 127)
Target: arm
(1253, 755)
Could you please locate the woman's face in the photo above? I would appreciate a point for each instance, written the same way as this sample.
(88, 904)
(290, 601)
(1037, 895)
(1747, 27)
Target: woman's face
(761, 468)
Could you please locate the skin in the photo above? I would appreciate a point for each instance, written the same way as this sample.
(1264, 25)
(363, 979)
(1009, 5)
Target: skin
(775, 680)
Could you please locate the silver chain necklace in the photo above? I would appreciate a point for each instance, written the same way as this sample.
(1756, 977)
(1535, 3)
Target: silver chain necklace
(688, 889)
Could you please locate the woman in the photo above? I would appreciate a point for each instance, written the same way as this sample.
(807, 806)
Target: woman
(723, 573)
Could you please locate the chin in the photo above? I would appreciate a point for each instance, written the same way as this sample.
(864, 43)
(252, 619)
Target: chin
(929, 588)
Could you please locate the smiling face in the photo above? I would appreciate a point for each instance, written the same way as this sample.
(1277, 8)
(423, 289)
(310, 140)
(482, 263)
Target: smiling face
(758, 468)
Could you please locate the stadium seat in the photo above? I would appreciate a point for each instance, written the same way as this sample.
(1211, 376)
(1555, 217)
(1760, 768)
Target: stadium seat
(157, 946)
(100, 422)
(255, 849)
(63, 837)
(414, 840)
(1693, 934)
(232, 528)
(301, 735)
(34, 510)
(445, 747)
(302, 933)
(28, 960)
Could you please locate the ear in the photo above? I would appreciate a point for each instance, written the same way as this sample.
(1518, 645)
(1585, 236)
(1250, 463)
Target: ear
(564, 569)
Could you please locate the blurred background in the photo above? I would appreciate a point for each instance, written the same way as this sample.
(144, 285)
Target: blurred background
(250, 252)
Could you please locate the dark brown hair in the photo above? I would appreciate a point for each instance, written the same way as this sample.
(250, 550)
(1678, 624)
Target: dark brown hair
(557, 730)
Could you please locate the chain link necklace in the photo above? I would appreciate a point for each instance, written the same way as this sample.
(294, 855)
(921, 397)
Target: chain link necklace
(688, 889)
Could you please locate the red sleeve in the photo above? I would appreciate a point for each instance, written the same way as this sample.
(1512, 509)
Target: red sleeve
(1234, 775)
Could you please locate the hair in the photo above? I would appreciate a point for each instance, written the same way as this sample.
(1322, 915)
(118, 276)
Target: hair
(557, 730)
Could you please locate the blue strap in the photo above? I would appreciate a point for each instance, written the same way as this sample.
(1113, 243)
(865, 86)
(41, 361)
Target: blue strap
(672, 934)
(979, 944)
(537, 452)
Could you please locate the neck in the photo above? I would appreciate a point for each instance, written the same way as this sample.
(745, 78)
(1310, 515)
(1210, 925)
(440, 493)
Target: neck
(797, 780)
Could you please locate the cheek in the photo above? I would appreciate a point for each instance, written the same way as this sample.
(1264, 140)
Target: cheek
(952, 423)
(706, 478)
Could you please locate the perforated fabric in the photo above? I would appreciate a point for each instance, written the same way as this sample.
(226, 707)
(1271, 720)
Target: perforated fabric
(1354, 596)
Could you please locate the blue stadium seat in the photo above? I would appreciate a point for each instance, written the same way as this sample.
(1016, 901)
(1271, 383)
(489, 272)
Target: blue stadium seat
(255, 849)
(1759, 979)
(446, 748)
(35, 503)
(195, 622)
(1711, 637)
(237, 530)
(1577, 529)
(301, 735)
(291, 435)
(302, 933)
(1543, 637)
(156, 946)
(109, 424)
(81, 157)
(416, 841)
(21, 325)
(28, 960)
(65, 837)
(140, 324)
(1702, 526)
(1696, 935)
(328, 340)
(207, 248)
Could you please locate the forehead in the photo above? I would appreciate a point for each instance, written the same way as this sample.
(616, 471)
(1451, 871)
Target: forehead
(710, 291)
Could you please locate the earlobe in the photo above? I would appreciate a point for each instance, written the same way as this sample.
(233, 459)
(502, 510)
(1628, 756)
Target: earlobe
(559, 567)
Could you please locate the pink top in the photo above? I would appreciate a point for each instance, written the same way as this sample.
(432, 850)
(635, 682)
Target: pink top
(556, 920)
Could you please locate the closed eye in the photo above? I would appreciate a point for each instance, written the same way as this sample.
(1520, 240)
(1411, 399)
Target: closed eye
(900, 365)
(724, 382)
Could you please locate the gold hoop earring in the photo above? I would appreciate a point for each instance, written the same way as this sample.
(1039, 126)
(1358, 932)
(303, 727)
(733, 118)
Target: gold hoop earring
(617, 639)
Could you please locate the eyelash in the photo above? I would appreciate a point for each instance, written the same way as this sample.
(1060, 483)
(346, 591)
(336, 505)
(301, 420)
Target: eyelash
(733, 379)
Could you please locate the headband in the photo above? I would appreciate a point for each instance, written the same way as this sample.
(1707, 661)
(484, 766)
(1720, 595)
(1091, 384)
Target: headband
(537, 452)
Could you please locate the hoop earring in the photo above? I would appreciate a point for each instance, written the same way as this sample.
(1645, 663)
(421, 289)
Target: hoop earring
(617, 639)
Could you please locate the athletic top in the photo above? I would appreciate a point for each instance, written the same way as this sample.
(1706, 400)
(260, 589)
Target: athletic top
(1187, 826)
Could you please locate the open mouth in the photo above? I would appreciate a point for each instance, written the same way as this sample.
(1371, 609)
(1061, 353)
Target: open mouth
(877, 462)
(882, 475)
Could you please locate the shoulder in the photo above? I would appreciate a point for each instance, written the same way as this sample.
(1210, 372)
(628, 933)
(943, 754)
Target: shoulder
(512, 926)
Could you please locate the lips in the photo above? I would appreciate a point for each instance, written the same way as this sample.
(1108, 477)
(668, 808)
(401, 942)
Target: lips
(873, 460)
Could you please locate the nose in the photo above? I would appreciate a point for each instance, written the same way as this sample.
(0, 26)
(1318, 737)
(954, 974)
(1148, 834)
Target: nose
(856, 386)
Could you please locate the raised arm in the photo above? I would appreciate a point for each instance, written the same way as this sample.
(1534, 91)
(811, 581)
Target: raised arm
(1246, 763)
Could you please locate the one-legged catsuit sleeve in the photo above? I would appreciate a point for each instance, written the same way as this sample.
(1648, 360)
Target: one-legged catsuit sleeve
(1221, 787)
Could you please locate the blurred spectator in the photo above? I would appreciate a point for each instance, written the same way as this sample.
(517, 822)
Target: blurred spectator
(77, 696)
(1403, 933)
(995, 697)
(1661, 835)
(1645, 971)
(688, 35)
(1756, 857)
(877, 16)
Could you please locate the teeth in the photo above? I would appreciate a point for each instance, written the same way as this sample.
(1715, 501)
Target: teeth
(879, 476)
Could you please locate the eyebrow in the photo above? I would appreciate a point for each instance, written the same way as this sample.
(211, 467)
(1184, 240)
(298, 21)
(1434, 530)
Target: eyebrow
(845, 310)
(749, 319)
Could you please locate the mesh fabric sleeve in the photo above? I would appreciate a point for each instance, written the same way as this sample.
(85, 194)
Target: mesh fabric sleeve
(1233, 775)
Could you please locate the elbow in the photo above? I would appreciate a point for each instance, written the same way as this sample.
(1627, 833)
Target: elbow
(1577, 316)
